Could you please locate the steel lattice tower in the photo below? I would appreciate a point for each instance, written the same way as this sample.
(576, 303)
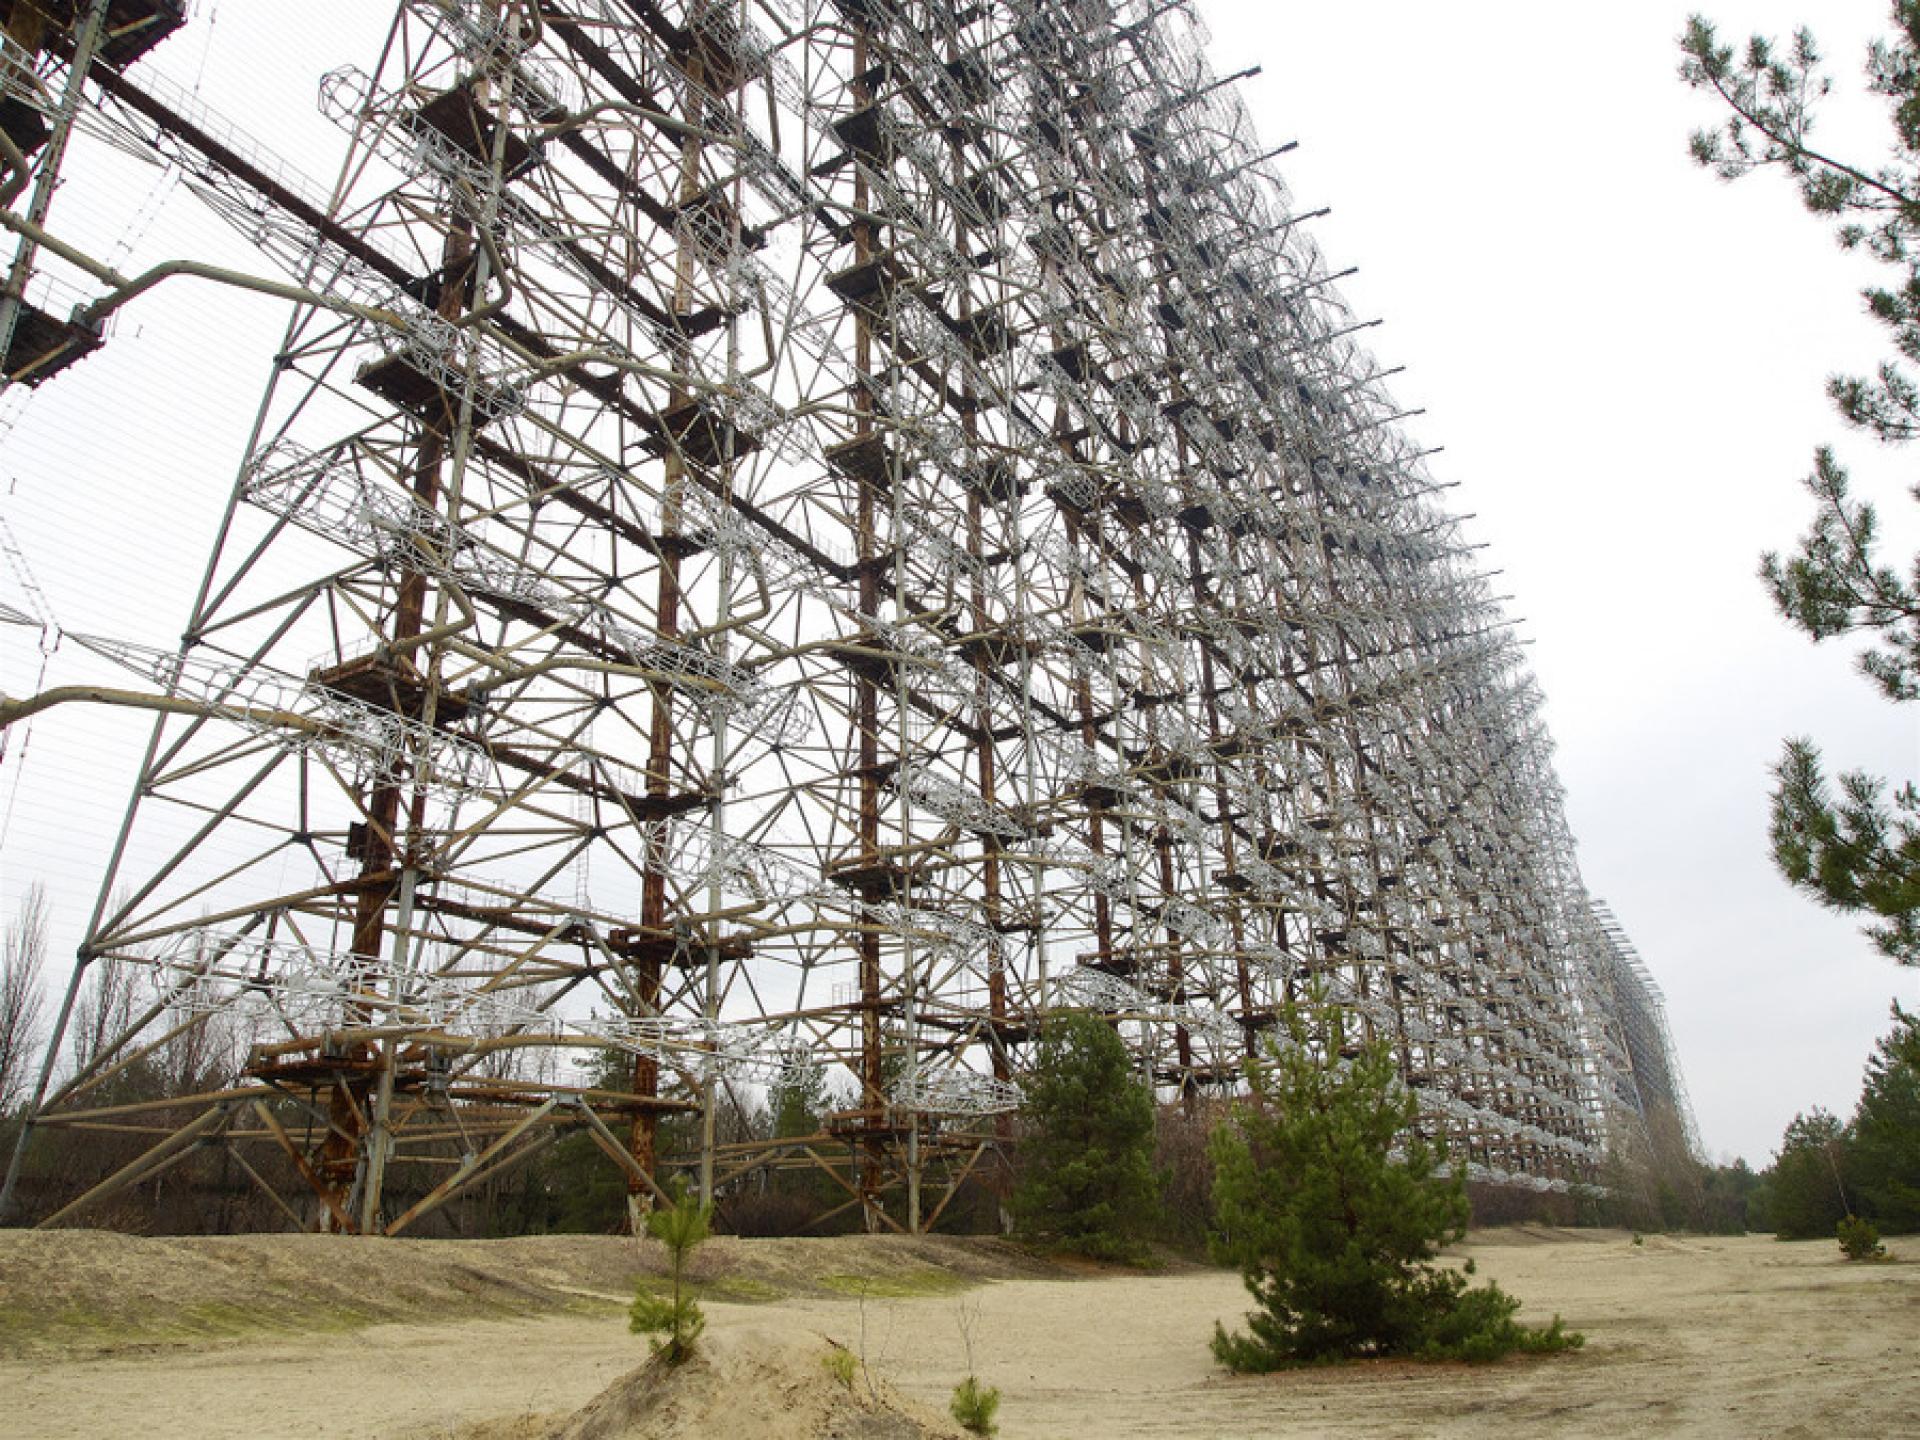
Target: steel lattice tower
(795, 533)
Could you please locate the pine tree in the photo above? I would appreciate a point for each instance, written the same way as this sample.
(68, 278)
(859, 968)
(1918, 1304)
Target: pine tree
(1808, 1188)
(1857, 851)
(1333, 1207)
(1087, 1182)
(797, 1101)
(681, 1227)
(1884, 1157)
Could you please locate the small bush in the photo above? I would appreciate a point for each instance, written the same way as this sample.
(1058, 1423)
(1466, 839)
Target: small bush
(1332, 1205)
(1859, 1239)
(841, 1365)
(1477, 1326)
(974, 1406)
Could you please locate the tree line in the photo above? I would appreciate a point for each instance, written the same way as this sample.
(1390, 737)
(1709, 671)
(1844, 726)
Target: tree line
(1077, 1118)
(1868, 1166)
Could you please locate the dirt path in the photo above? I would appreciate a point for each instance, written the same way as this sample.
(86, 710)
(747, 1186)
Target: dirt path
(1705, 1337)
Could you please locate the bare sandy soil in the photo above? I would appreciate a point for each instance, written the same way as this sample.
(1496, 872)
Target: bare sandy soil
(269, 1336)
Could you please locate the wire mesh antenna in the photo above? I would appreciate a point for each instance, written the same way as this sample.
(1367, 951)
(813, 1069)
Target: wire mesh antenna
(1656, 1091)
(817, 534)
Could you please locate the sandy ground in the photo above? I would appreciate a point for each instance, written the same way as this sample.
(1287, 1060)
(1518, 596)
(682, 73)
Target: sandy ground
(1707, 1337)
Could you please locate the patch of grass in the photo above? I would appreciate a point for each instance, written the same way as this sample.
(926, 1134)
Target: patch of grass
(592, 1302)
(841, 1365)
(744, 1290)
(730, 1289)
(898, 1285)
(221, 1320)
(24, 1328)
(218, 1319)
(26, 1331)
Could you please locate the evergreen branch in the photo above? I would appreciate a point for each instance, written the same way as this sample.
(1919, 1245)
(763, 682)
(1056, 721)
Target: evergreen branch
(1833, 585)
(1710, 65)
(1854, 854)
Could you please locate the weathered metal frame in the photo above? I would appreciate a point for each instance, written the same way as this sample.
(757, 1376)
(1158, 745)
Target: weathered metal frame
(891, 516)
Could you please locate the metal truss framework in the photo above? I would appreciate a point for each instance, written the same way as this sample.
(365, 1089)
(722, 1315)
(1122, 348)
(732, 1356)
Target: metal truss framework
(795, 533)
(1644, 1055)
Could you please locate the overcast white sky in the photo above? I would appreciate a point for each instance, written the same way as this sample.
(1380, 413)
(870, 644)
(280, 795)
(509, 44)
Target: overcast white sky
(1622, 357)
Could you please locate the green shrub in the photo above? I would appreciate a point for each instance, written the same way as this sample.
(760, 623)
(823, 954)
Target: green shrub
(974, 1405)
(1859, 1239)
(1477, 1325)
(841, 1365)
(1332, 1205)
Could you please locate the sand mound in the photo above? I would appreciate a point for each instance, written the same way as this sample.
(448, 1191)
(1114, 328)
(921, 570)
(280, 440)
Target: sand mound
(64, 1292)
(752, 1383)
